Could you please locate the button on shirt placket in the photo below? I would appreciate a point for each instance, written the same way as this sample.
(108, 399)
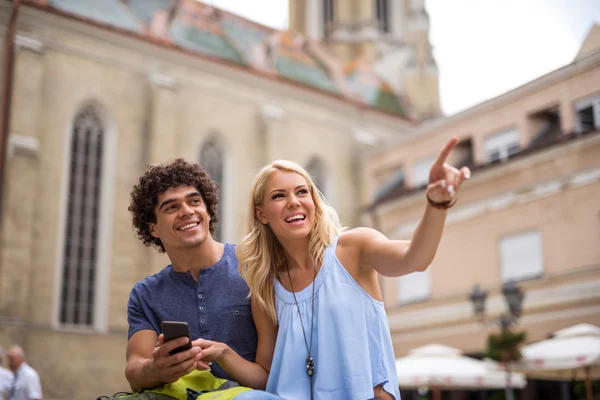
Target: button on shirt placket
(201, 302)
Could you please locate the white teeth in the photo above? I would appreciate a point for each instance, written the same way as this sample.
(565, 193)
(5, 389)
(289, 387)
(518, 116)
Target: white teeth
(188, 226)
(294, 218)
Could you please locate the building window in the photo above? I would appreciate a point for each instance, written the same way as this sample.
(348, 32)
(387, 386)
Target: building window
(393, 185)
(414, 287)
(83, 218)
(545, 125)
(382, 11)
(316, 170)
(421, 172)
(328, 16)
(521, 256)
(462, 154)
(588, 114)
(502, 145)
(211, 159)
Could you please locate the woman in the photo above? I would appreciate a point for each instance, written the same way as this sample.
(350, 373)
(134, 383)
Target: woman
(316, 300)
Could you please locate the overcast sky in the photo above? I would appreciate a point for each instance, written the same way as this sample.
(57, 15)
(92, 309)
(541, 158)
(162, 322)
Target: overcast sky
(483, 47)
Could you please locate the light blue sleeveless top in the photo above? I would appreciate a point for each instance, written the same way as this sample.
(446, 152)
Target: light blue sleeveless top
(351, 346)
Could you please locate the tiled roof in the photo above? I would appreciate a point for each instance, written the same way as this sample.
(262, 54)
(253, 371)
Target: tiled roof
(146, 9)
(205, 30)
(292, 60)
(365, 84)
(111, 12)
(195, 29)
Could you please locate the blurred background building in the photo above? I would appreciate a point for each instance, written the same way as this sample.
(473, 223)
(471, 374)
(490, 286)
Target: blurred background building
(99, 89)
(530, 214)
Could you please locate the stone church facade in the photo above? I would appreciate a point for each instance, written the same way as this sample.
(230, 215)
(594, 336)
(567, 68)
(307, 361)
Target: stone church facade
(101, 89)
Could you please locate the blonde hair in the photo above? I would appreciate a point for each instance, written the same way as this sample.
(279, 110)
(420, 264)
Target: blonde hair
(260, 253)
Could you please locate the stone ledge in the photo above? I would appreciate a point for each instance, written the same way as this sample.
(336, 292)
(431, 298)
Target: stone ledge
(463, 311)
(271, 111)
(27, 42)
(163, 80)
(23, 146)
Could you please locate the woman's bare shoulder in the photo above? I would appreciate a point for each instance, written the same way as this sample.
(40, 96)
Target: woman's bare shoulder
(356, 236)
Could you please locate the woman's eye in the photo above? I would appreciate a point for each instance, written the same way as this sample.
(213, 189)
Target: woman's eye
(278, 195)
(302, 191)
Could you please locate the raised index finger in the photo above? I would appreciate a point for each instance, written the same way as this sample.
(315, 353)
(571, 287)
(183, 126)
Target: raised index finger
(446, 151)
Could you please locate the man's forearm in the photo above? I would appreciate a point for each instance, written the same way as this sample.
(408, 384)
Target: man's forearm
(244, 372)
(141, 375)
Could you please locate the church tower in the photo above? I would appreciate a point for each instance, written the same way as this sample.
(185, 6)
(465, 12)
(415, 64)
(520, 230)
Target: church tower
(391, 35)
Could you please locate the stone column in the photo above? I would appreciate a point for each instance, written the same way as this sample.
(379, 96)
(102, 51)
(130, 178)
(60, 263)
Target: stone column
(271, 129)
(17, 244)
(163, 137)
(313, 20)
(568, 119)
(526, 131)
(163, 130)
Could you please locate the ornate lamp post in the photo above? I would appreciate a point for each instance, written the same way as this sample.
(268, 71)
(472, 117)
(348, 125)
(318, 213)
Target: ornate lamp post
(513, 295)
(514, 298)
(478, 297)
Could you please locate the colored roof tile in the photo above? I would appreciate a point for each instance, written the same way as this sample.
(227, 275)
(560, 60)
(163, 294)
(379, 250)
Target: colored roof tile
(145, 10)
(370, 88)
(204, 29)
(110, 12)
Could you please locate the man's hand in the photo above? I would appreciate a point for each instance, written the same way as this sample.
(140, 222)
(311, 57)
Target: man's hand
(170, 368)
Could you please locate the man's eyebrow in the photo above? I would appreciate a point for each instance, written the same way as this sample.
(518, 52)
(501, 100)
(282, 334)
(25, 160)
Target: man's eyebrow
(193, 194)
(169, 201)
(166, 202)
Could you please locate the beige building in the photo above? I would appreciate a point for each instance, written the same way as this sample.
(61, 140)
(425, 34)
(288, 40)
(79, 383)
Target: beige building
(99, 90)
(530, 213)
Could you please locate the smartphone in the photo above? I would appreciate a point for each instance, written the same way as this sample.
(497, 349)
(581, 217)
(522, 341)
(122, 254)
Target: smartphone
(175, 330)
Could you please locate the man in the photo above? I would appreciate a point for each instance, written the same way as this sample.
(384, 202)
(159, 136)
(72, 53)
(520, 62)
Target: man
(26, 385)
(6, 377)
(174, 209)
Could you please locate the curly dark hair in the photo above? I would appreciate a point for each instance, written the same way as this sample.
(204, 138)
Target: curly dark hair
(157, 180)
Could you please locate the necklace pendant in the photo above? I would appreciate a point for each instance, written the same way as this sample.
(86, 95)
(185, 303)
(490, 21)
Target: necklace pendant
(310, 366)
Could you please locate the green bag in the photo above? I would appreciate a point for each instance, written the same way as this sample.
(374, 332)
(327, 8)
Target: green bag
(202, 385)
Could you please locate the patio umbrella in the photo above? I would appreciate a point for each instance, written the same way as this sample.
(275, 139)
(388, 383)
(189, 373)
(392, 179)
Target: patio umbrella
(570, 351)
(441, 367)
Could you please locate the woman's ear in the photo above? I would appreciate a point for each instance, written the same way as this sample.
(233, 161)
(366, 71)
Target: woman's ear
(260, 215)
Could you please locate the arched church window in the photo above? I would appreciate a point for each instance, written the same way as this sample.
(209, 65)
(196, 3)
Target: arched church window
(211, 159)
(328, 16)
(80, 253)
(382, 11)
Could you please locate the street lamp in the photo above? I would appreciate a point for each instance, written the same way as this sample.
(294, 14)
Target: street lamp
(513, 295)
(514, 298)
(478, 297)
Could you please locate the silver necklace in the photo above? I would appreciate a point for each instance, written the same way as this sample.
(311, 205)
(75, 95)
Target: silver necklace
(310, 364)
